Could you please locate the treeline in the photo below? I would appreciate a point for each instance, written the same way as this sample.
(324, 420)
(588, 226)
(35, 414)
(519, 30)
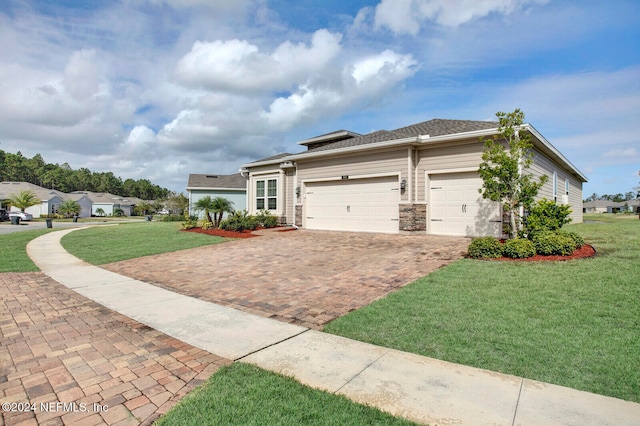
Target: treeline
(61, 177)
(618, 198)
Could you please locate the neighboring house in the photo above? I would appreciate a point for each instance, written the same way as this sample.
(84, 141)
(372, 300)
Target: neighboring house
(606, 206)
(109, 203)
(419, 178)
(231, 187)
(50, 199)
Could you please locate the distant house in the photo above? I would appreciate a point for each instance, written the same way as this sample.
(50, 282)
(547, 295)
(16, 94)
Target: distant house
(231, 187)
(50, 199)
(606, 206)
(109, 203)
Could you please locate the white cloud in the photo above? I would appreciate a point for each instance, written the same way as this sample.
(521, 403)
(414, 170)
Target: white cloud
(407, 16)
(237, 65)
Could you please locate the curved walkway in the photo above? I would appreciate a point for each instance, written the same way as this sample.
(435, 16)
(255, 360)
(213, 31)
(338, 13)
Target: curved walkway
(418, 388)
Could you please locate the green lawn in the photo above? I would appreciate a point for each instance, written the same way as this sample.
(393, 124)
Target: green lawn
(246, 395)
(105, 244)
(572, 323)
(14, 256)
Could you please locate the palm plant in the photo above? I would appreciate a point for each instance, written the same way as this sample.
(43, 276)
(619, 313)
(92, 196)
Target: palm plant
(205, 204)
(100, 211)
(220, 206)
(144, 207)
(69, 207)
(24, 200)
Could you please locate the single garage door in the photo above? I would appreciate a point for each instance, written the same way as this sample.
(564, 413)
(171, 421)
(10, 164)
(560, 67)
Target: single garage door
(360, 205)
(457, 208)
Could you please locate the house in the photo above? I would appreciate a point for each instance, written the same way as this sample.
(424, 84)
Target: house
(50, 199)
(606, 206)
(106, 204)
(419, 178)
(231, 187)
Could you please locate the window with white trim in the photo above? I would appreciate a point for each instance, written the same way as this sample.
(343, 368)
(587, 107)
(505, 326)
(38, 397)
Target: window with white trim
(267, 194)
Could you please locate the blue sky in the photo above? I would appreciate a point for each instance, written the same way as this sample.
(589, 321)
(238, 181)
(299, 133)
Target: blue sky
(159, 89)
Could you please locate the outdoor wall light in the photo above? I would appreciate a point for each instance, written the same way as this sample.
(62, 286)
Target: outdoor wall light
(297, 190)
(403, 184)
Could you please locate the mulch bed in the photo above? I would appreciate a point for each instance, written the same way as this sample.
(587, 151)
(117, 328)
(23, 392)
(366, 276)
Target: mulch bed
(585, 251)
(221, 233)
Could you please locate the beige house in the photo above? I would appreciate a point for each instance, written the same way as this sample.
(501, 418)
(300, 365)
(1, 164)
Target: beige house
(419, 178)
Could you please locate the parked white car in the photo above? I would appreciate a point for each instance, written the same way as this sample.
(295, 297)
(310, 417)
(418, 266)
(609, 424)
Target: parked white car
(21, 215)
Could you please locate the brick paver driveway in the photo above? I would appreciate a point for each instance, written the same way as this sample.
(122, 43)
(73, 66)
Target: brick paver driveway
(78, 363)
(301, 277)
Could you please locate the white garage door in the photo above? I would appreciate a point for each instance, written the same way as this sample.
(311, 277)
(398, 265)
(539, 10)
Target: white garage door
(361, 205)
(457, 208)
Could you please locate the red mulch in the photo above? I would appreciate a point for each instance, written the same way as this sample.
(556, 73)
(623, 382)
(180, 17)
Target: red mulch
(585, 251)
(221, 233)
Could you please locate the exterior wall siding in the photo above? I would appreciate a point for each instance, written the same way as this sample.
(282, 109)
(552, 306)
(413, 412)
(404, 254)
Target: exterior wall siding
(542, 165)
(354, 165)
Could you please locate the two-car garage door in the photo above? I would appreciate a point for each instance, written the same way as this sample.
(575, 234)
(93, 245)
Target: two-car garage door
(457, 208)
(360, 205)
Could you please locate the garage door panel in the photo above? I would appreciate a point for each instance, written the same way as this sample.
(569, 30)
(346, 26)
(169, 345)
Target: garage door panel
(369, 205)
(457, 208)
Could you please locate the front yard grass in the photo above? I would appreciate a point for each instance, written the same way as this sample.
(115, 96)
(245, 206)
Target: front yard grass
(13, 251)
(571, 323)
(105, 244)
(246, 395)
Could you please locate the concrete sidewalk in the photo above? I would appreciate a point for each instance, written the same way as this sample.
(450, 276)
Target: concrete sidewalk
(418, 388)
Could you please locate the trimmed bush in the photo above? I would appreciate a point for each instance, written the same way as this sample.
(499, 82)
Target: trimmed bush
(485, 247)
(266, 219)
(239, 221)
(207, 225)
(519, 248)
(190, 222)
(547, 215)
(577, 238)
(172, 218)
(549, 243)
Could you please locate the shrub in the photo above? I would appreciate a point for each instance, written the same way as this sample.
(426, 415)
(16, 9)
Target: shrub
(266, 219)
(577, 238)
(172, 218)
(549, 243)
(547, 215)
(190, 222)
(519, 248)
(207, 225)
(485, 247)
(239, 221)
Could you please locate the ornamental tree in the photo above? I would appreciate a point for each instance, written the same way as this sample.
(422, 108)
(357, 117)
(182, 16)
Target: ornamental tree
(505, 160)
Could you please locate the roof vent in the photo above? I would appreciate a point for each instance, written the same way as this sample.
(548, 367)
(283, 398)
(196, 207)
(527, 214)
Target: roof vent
(212, 176)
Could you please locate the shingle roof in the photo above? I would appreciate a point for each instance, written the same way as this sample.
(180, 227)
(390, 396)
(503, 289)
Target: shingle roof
(273, 157)
(440, 127)
(235, 181)
(435, 127)
(44, 194)
(107, 198)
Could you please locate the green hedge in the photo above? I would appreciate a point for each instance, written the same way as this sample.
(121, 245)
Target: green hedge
(485, 247)
(519, 248)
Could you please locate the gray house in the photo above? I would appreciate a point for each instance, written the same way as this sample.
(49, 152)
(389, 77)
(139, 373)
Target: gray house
(419, 178)
(50, 199)
(231, 187)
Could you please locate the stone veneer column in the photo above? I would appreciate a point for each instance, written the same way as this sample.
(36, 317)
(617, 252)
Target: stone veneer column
(413, 217)
(298, 218)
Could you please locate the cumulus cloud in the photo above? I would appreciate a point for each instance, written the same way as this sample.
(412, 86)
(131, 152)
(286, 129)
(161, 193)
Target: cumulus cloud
(407, 16)
(365, 80)
(237, 65)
